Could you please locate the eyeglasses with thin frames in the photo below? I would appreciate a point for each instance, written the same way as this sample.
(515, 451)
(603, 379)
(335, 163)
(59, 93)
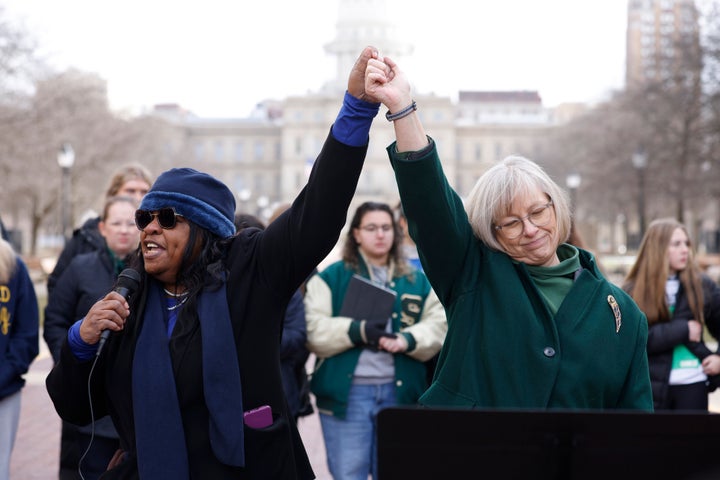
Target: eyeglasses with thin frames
(118, 224)
(372, 228)
(167, 218)
(515, 227)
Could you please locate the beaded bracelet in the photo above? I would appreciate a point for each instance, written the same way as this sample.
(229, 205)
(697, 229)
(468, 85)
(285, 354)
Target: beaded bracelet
(391, 117)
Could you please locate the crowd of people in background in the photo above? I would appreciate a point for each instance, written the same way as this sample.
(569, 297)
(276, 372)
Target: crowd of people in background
(206, 370)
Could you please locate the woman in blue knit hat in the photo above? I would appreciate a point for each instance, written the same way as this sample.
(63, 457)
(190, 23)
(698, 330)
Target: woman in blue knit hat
(190, 374)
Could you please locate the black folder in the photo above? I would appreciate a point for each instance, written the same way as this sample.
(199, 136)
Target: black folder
(365, 300)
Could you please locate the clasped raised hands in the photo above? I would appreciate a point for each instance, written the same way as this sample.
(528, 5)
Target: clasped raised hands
(386, 82)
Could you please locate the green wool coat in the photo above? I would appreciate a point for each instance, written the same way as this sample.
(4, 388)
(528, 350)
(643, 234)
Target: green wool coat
(504, 348)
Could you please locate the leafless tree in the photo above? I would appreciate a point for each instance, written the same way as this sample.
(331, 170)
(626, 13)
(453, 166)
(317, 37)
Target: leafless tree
(71, 107)
(675, 119)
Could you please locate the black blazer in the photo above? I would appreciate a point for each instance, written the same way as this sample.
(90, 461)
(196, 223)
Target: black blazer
(265, 269)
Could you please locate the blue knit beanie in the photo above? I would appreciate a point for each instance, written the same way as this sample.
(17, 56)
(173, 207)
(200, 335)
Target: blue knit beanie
(197, 196)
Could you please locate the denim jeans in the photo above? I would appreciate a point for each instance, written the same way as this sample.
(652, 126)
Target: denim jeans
(9, 420)
(350, 443)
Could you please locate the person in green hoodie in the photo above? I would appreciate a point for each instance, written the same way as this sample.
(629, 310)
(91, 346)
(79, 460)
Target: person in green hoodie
(532, 322)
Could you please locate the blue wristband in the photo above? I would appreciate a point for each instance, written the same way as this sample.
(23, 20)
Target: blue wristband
(81, 350)
(352, 125)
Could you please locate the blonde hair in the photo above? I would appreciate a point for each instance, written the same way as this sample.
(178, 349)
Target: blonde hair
(8, 261)
(646, 280)
(493, 194)
(132, 171)
(117, 199)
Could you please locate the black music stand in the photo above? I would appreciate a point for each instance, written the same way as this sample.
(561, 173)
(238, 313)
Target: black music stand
(424, 443)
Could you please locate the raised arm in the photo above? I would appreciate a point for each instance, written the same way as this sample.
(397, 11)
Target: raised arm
(299, 239)
(437, 220)
(386, 82)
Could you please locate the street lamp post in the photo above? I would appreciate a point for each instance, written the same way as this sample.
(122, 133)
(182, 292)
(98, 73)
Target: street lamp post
(66, 159)
(244, 196)
(639, 161)
(262, 203)
(573, 181)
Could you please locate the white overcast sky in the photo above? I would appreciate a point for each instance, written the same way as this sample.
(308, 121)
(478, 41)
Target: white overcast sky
(218, 58)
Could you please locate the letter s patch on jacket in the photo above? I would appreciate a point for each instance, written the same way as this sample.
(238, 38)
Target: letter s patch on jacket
(411, 307)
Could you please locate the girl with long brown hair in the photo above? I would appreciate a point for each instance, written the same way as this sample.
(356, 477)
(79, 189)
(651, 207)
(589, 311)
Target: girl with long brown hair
(678, 300)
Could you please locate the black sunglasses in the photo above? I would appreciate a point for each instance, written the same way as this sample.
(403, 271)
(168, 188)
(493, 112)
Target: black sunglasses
(167, 218)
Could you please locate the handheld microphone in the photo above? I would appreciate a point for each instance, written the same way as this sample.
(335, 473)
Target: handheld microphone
(127, 283)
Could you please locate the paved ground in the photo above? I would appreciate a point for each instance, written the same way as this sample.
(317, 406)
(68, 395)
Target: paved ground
(35, 456)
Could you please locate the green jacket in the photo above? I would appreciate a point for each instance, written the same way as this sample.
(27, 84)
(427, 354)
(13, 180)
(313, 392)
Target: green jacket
(503, 347)
(418, 315)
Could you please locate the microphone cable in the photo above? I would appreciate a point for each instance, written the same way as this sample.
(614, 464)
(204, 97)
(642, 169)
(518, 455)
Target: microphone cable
(92, 418)
(127, 283)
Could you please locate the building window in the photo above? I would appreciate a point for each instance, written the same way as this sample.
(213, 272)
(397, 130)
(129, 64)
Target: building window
(219, 151)
(478, 152)
(260, 184)
(240, 184)
(278, 151)
(238, 151)
(259, 151)
(498, 150)
(199, 152)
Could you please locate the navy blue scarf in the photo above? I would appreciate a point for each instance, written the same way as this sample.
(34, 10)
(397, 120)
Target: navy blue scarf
(160, 439)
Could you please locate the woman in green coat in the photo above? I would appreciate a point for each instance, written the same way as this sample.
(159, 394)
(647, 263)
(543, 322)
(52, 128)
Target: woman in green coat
(532, 323)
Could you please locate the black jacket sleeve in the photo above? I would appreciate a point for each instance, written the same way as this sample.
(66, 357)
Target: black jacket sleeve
(60, 312)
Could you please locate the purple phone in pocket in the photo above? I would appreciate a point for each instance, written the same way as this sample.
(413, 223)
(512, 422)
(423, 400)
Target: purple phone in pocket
(260, 417)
